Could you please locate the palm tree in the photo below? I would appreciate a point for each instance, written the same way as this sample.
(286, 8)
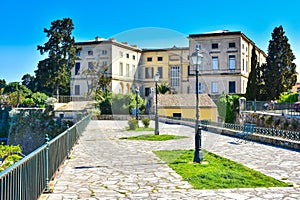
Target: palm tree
(164, 88)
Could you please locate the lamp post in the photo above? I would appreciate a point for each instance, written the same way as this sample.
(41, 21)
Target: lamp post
(137, 104)
(196, 58)
(156, 78)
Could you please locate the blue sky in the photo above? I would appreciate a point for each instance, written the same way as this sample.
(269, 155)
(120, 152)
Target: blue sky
(155, 23)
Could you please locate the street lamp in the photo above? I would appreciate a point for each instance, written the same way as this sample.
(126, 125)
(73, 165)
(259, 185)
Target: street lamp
(156, 78)
(196, 58)
(137, 104)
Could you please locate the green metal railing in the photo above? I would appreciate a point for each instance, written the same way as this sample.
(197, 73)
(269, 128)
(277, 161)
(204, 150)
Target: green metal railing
(286, 134)
(29, 177)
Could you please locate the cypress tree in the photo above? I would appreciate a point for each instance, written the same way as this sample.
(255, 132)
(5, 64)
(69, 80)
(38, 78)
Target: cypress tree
(279, 75)
(251, 92)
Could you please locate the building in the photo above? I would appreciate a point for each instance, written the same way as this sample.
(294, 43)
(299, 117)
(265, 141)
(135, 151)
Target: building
(226, 62)
(225, 68)
(101, 57)
(183, 106)
(170, 63)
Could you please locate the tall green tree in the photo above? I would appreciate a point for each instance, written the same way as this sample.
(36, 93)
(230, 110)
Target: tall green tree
(29, 82)
(251, 92)
(54, 71)
(279, 75)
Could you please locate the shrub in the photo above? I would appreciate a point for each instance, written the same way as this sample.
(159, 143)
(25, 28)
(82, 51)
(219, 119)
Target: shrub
(28, 102)
(269, 120)
(133, 123)
(146, 122)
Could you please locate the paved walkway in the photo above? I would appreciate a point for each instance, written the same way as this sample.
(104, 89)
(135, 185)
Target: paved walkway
(104, 167)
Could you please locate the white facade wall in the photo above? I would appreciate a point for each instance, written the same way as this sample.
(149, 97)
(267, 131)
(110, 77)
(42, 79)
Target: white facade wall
(223, 76)
(101, 55)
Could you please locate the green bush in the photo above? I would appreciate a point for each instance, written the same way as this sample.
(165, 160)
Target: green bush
(28, 102)
(133, 123)
(146, 122)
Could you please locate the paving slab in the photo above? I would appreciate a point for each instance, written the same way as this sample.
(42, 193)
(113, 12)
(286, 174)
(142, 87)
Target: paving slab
(102, 166)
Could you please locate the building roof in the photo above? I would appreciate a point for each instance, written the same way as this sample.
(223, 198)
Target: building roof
(165, 49)
(112, 41)
(184, 101)
(225, 33)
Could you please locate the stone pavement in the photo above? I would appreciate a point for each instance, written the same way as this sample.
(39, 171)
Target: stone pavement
(104, 167)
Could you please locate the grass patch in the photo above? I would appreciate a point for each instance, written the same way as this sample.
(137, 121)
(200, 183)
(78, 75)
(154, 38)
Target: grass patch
(153, 137)
(140, 129)
(219, 173)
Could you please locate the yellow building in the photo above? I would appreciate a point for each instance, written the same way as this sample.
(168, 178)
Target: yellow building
(183, 105)
(170, 63)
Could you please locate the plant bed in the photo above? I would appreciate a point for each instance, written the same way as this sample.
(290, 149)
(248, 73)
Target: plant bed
(139, 129)
(215, 172)
(153, 137)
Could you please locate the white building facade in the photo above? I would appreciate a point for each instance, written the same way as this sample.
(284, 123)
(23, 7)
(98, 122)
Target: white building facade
(101, 57)
(226, 62)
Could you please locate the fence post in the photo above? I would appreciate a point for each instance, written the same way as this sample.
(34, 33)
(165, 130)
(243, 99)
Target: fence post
(47, 189)
(67, 145)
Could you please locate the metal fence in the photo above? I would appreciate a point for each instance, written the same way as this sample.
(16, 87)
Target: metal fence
(286, 134)
(29, 177)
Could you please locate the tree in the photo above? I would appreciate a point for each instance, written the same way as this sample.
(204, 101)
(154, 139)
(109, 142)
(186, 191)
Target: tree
(279, 74)
(54, 71)
(251, 92)
(28, 81)
(2, 85)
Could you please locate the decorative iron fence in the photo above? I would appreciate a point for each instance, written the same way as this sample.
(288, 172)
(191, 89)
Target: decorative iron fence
(29, 177)
(285, 134)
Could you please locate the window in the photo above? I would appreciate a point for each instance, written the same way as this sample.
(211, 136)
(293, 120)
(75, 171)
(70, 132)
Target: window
(231, 86)
(231, 61)
(127, 69)
(147, 91)
(104, 52)
(77, 68)
(149, 59)
(77, 53)
(246, 65)
(199, 88)
(133, 57)
(160, 71)
(104, 63)
(121, 69)
(214, 45)
(174, 76)
(243, 64)
(77, 89)
(149, 72)
(133, 70)
(214, 87)
(90, 65)
(90, 53)
(159, 58)
(198, 46)
(127, 55)
(121, 54)
(232, 45)
(177, 115)
(215, 63)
